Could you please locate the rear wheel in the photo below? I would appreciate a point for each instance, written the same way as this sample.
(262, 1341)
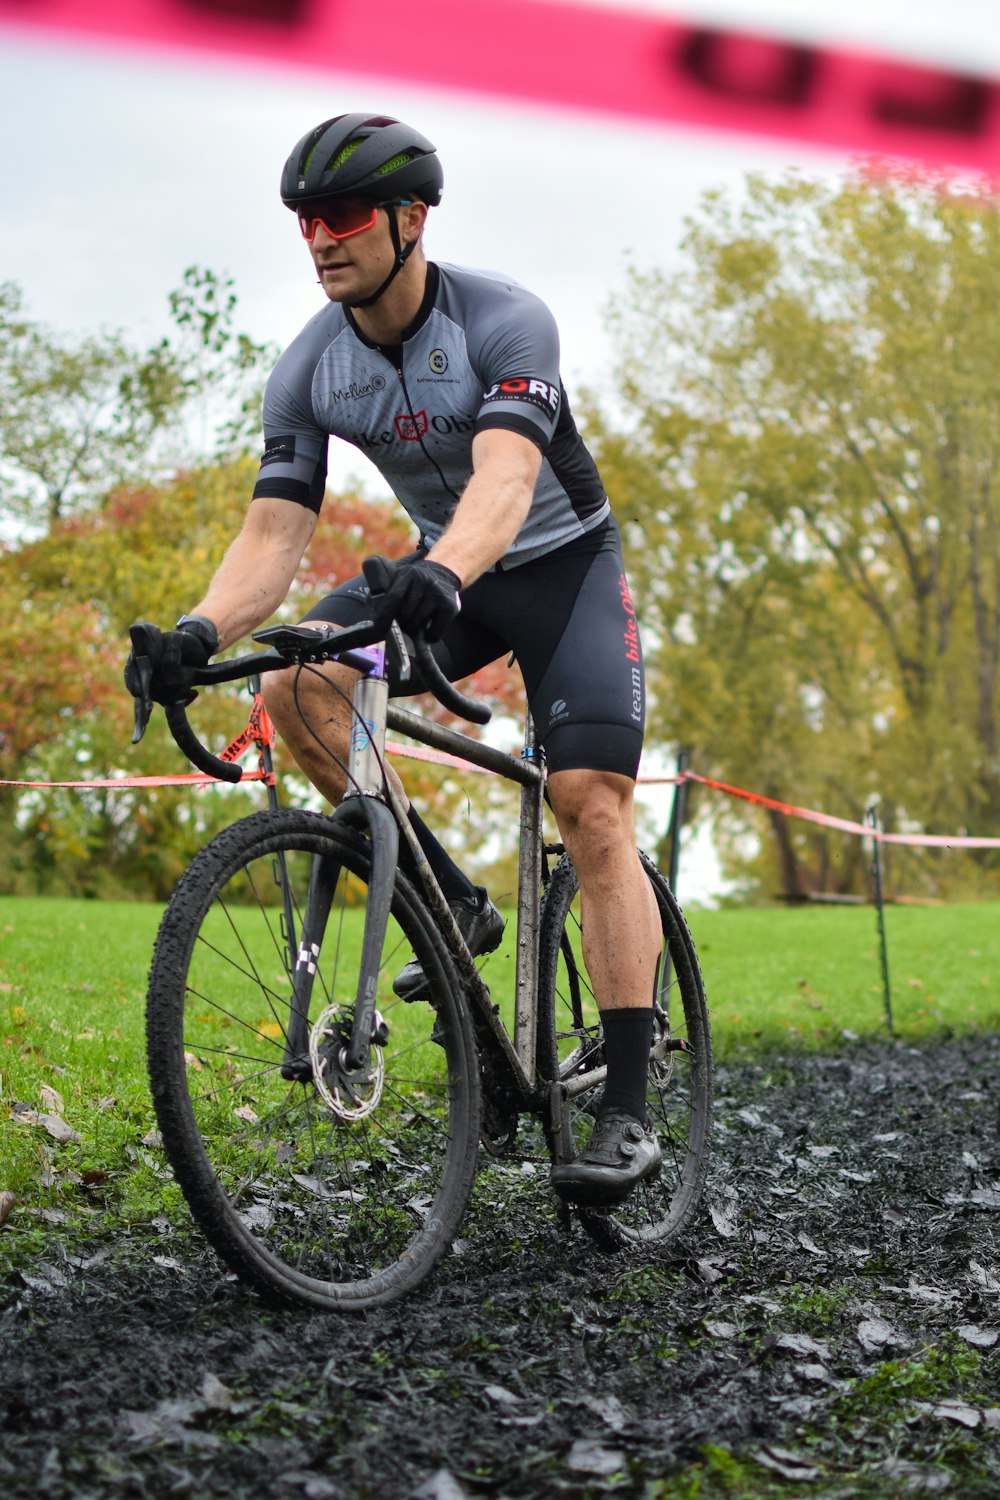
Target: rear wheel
(340, 1189)
(679, 1089)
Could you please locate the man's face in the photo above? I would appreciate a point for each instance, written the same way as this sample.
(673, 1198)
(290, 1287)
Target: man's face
(353, 265)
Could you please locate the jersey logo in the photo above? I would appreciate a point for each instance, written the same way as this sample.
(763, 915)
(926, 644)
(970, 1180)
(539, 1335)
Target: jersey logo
(412, 426)
(526, 388)
(278, 450)
(437, 361)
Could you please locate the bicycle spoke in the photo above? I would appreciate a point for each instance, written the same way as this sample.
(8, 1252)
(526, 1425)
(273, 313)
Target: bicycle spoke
(333, 1210)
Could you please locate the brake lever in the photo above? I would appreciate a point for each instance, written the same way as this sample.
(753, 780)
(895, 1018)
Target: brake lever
(142, 706)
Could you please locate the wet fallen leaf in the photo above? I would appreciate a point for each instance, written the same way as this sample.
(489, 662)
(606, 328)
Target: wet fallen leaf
(721, 1330)
(57, 1128)
(982, 1338)
(875, 1333)
(95, 1177)
(810, 1245)
(499, 1395)
(440, 1486)
(52, 1099)
(7, 1201)
(216, 1395)
(609, 1409)
(788, 1465)
(589, 1457)
(724, 1217)
(816, 1372)
(153, 1138)
(797, 1343)
(952, 1411)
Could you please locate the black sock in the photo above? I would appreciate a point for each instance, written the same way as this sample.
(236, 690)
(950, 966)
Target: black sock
(454, 884)
(628, 1036)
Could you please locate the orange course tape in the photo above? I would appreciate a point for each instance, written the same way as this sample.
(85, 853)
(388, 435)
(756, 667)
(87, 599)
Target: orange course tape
(260, 732)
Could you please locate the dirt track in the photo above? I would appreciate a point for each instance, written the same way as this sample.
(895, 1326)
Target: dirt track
(835, 1322)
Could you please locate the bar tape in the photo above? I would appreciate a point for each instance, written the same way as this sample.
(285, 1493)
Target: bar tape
(597, 57)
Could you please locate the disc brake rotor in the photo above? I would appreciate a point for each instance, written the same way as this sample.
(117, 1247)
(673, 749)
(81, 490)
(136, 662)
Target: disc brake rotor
(349, 1096)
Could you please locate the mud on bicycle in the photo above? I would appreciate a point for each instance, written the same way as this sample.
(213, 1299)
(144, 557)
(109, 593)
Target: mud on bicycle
(326, 1133)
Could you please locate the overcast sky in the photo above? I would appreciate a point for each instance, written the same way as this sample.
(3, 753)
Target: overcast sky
(122, 167)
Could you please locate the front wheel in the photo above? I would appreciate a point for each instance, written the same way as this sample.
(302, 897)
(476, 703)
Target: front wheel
(679, 1090)
(338, 1188)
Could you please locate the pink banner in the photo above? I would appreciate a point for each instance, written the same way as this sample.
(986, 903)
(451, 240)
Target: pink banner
(592, 57)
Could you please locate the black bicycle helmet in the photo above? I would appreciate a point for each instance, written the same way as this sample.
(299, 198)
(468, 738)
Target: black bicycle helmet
(362, 156)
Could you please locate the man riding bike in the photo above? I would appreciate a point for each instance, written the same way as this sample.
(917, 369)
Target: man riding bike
(448, 379)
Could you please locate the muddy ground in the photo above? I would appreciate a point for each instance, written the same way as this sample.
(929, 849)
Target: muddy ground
(831, 1328)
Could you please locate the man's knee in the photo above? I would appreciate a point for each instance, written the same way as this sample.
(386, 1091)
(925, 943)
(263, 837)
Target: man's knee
(592, 807)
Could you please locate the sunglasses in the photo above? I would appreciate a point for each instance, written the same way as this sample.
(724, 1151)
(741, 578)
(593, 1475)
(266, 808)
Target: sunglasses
(340, 217)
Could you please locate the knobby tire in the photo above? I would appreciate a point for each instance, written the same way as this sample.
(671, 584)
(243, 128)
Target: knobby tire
(679, 1097)
(337, 1215)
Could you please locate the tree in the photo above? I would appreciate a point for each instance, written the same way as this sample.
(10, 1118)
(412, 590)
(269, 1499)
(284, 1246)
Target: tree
(82, 416)
(70, 597)
(808, 479)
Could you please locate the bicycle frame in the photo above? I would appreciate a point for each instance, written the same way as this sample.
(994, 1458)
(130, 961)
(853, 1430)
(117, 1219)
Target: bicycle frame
(371, 803)
(372, 806)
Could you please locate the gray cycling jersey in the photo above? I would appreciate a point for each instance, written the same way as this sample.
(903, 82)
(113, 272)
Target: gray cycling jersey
(482, 352)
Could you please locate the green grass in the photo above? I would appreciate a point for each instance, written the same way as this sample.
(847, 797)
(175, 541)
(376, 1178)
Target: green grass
(72, 991)
(806, 975)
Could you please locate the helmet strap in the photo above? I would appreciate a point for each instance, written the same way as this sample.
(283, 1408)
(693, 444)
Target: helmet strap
(403, 253)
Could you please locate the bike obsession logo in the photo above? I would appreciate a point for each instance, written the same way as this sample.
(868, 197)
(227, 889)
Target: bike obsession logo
(437, 362)
(412, 426)
(526, 388)
(631, 639)
(355, 391)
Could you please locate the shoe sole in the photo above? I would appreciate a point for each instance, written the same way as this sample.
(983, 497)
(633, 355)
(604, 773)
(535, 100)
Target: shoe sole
(592, 1195)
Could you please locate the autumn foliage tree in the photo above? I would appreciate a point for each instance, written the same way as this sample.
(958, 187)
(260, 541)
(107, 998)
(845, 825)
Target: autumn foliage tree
(806, 460)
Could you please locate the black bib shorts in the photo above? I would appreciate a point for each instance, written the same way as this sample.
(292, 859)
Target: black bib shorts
(569, 619)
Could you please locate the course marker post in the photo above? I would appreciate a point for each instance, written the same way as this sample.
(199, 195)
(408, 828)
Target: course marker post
(677, 819)
(872, 819)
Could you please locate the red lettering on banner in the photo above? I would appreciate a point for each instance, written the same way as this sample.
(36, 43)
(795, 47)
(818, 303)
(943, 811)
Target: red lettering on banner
(282, 12)
(595, 57)
(748, 67)
(925, 99)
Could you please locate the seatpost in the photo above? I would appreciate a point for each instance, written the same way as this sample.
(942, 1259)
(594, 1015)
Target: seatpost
(529, 884)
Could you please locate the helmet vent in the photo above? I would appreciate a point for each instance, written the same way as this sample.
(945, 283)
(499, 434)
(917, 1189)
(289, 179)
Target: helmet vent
(397, 161)
(342, 155)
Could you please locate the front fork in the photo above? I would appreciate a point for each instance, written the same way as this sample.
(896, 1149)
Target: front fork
(363, 808)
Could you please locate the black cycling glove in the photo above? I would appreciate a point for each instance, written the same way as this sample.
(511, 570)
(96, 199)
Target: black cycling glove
(422, 598)
(174, 656)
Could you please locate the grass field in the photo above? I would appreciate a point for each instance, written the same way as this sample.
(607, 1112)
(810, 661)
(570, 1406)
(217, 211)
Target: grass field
(72, 989)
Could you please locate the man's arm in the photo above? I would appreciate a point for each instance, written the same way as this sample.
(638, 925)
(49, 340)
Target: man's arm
(257, 571)
(494, 505)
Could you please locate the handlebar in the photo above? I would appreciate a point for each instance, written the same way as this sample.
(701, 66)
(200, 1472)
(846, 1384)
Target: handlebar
(288, 645)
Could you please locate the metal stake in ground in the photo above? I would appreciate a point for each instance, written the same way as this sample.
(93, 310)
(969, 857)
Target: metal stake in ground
(872, 819)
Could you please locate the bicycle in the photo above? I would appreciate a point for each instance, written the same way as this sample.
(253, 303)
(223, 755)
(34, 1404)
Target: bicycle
(325, 1133)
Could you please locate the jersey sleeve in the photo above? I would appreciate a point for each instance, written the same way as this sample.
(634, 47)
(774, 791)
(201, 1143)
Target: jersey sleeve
(517, 357)
(294, 461)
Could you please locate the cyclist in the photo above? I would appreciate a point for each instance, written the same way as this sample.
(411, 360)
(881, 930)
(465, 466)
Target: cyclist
(448, 379)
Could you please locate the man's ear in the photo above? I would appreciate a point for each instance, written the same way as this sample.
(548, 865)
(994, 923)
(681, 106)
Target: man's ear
(414, 218)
